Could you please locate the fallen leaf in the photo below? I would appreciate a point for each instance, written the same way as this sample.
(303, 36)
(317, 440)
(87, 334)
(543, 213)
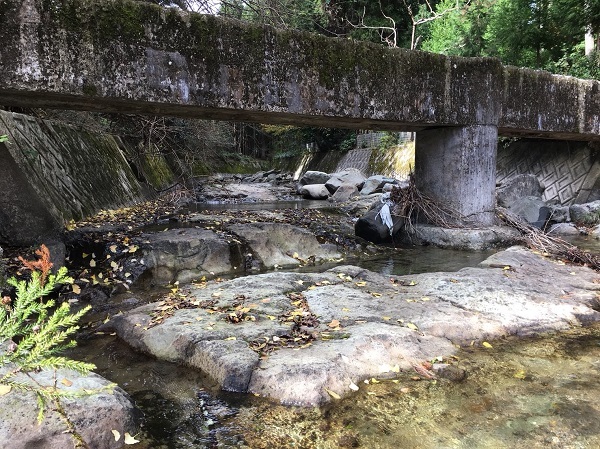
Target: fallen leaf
(386, 318)
(66, 382)
(92, 263)
(375, 294)
(520, 374)
(76, 289)
(230, 338)
(129, 439)
(361, 284)
(485, 344)
(5, 389)
(374, 381)
(334, 324)
(412, 326)
(116, 434)
(353, 386)
(113, 249)
(333, 394)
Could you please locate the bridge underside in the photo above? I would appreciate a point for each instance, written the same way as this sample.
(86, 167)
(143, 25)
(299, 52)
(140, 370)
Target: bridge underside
(132, 57)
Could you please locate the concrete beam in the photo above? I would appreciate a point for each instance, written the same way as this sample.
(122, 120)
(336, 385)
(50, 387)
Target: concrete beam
(133, 57)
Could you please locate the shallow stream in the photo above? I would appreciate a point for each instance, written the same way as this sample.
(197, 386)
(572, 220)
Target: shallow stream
(517, 394)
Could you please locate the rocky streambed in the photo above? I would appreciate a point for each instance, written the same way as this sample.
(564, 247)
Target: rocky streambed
(308, 327)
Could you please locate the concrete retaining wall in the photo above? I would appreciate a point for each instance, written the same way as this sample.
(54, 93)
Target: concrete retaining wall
(51, 173)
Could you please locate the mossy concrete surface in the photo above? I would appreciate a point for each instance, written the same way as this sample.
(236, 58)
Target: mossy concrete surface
(127, 56)
(51, 173)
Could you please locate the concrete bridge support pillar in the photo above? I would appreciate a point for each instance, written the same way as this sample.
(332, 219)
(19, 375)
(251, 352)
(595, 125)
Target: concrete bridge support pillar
(457, 166)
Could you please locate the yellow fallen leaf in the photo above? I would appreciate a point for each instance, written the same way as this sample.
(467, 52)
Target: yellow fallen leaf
(271, 317)
(92, 263)
(113, 248)
(66, 382)
(132, 249)
(129, 439)
(76, 289)
(386, 318)
(116, 434)
(396, 368)
(230, 338)
(5, 389)
(412, 326)
(485, 344)
(370, 393)
(374, 381)
(377, 295)
(333, 394)
(520, 374)
(114, 265)
(295, 255)
(360, 284)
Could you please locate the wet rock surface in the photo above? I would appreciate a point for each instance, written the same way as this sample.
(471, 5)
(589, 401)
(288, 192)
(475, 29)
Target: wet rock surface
(94, 416)
(302, 338)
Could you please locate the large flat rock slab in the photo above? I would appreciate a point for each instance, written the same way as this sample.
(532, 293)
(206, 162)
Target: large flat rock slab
(299, 337)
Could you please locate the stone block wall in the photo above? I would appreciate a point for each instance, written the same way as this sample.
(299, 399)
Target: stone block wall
(569, 170)
(51, 173)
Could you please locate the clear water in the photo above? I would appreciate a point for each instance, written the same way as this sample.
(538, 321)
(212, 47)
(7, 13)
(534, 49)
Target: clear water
(542, 393)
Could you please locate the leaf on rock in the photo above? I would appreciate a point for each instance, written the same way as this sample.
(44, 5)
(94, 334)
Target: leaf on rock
(116, 434)
(520, 374)
(485, 344)
(333, 394)
(334, 324)
(353, 386)
(66, 382)
(129, 439)
(5, 389)
(412, 326)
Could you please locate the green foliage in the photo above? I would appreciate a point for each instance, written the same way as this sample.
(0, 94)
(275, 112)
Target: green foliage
(3, 138)
(33, 331)
(531, 33)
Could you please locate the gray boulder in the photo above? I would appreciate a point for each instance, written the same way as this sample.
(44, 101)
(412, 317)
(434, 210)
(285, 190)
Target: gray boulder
(348, 176)
(344, 193)
(185, 254)
(585, 213)
(518, 187)
(564, 229)
(314, 191)
(94, 416)
(313, 177)
(283, 245)
(375, 184)
(371, 228)
(560, 214)
(531, 209)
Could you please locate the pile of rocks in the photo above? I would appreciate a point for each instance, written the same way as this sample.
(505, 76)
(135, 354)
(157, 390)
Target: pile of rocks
(342, 186)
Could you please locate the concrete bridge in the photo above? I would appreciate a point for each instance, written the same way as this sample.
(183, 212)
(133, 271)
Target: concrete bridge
(129, 57)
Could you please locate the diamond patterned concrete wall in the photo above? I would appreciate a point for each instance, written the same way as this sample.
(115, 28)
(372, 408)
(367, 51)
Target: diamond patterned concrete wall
(568, 170)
